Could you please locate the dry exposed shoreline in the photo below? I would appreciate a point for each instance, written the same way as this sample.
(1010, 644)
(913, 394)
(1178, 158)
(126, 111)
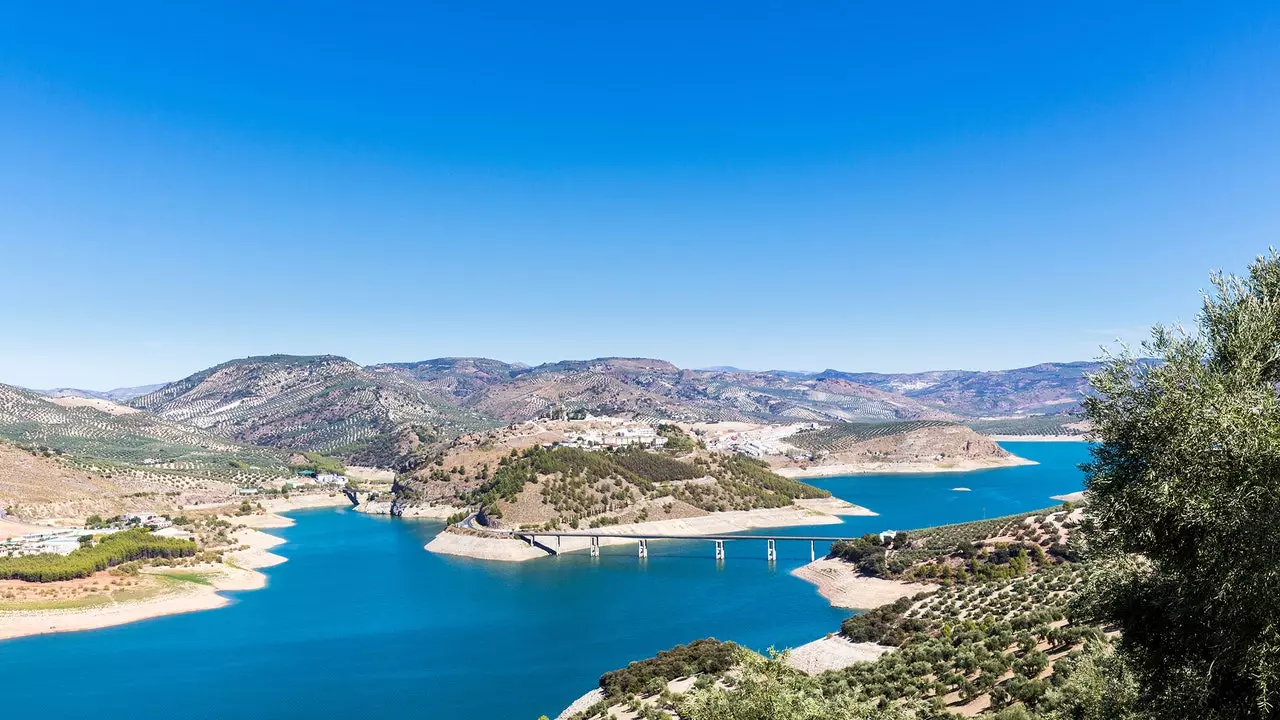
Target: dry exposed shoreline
(843, 586)
(240, 572)
(892, 468)
(1039, 438)
(813, 512)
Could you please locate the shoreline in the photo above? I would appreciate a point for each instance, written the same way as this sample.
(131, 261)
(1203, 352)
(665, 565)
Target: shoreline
(512, 550)
(430, 512)
(238, 572)
(844, 587)
(846, 469)
(1039, 438)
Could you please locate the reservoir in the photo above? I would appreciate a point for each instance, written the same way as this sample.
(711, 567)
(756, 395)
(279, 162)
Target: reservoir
(361, 621)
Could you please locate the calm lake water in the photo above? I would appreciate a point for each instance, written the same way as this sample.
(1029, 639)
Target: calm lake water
(363, 622)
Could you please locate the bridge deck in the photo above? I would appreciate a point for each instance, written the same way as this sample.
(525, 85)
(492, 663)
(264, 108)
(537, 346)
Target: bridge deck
(534, 533)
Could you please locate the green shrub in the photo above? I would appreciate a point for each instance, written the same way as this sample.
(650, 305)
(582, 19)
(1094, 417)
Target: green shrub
(112, 550)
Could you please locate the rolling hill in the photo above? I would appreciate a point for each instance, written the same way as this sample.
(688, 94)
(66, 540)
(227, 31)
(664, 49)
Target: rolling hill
(322, 403)
(119, 395)
(653, 389)
(124, 455)
(1048, 388)
(384, 414)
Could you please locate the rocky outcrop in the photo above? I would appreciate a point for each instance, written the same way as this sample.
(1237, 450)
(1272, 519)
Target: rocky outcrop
(947, 448)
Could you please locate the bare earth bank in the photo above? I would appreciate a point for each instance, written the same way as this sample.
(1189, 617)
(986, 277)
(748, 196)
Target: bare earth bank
(240, 573)
(1039, 438)
(843, 586)
(889, 468)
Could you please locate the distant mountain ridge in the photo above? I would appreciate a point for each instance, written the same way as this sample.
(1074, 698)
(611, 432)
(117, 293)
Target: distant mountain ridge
(119, 395)
(385, 414)
(1047, 388)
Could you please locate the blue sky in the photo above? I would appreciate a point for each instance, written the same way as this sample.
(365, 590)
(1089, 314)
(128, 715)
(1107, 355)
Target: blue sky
(767, 185)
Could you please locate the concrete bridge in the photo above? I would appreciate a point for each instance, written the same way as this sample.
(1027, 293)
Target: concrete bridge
(771, 541)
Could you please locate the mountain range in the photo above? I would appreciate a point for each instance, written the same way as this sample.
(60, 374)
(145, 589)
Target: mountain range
(388, 414)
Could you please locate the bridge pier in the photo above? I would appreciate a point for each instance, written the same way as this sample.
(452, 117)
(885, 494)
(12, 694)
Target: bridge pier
(644, 548)
(719, 550)
(812, 557)
(595, 546)
(773, 551)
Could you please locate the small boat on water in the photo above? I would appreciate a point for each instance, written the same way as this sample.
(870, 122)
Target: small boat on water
(961, 490)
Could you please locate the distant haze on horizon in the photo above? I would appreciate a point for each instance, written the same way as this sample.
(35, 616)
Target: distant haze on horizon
(705, 368)
(762, 185)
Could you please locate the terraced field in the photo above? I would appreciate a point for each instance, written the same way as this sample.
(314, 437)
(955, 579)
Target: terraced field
(841, 436)
(1031, 425)
(157, 455)
(972, 647)
(968, 649)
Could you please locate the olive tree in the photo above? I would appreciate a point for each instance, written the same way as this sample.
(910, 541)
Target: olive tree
(769, 689)
(1184, 506)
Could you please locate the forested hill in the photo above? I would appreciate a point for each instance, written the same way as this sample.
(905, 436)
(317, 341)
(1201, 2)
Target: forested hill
(561, 487)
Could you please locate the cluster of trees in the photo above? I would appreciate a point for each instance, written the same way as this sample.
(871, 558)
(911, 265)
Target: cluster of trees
(700, 657)
(678, 441)
(832, 438)
(321, 464)
(579, 484)
(111, 550)
(654, 467)
(867, 552)
(1184, 492)
(743, 483)
(769, 689)
(1181, 555)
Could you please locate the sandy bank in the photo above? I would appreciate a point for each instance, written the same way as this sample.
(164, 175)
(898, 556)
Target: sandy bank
(303, 502)
(483, 548)
(1038, 438)
(506, 549)
(261, 521)
(256, 554)
(1075, 497)
(874, 468)
(843, 586)
(836, 506)
(12, 528)
(833, 653)
(239, 572)
(181, 597)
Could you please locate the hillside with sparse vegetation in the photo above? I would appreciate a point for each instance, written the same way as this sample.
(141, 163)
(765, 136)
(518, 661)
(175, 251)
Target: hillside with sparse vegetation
(322, 403)
(569, 487)
(85, 454)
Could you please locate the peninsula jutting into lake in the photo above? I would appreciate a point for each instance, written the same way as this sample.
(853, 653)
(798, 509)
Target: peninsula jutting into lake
(639, 361)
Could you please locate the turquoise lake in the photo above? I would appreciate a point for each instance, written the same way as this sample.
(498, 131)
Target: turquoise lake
(362, 622)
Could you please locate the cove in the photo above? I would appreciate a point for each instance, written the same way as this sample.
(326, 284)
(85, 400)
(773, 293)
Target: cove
(363, 622)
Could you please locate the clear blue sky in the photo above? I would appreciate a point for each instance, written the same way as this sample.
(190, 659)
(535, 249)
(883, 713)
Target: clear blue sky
(878, 186)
